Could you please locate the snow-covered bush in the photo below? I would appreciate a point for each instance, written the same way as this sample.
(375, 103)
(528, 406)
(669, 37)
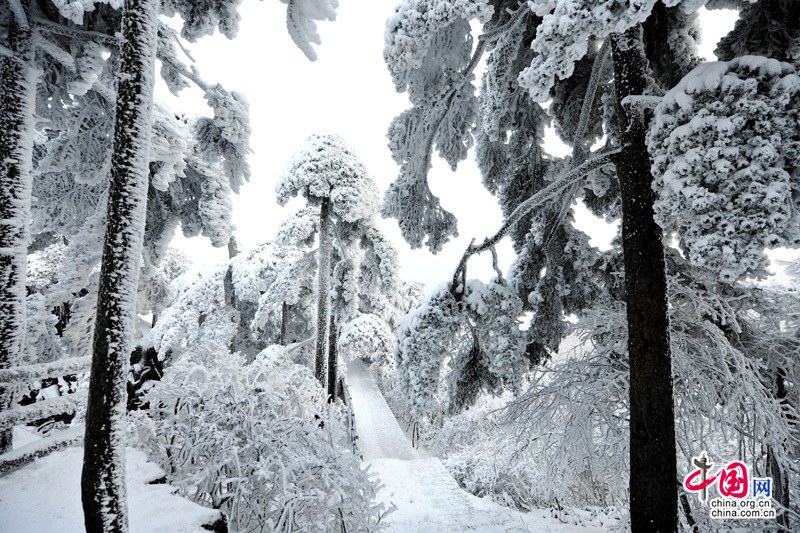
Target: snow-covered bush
(259, 442)
(725, 144)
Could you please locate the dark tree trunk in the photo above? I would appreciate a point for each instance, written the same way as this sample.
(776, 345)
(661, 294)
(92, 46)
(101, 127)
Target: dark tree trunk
(323, 296)
(777, 471)
(653, 479)
(103, 476)
(332, 355)
(284, 318)
(17, 101)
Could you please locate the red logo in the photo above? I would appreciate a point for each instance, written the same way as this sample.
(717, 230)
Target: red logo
(732, 480)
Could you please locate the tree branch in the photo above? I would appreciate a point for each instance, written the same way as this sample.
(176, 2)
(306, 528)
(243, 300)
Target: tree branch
(19, 14)
(562, 182)
(59, 29)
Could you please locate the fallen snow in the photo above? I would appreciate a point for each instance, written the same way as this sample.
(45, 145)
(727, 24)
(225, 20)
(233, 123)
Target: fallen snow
(425, 496)
(46, 496)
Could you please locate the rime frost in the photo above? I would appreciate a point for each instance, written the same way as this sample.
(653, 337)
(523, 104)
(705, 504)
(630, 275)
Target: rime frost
(725, 144)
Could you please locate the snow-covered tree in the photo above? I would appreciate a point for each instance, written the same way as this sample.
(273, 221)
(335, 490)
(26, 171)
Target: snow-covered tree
(103, 477)
(603, 74)
(17, 97)
(329, 175)
(258, 441)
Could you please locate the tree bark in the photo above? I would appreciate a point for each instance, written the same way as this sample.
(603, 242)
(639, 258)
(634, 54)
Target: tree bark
(332, 356)
(653, 478)
(103, 476)
(323, 296)
(17, 103)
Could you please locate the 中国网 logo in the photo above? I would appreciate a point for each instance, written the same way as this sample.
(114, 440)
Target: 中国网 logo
(740, 496)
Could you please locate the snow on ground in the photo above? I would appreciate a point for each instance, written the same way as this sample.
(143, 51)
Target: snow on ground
(426, 497)
(45, 496)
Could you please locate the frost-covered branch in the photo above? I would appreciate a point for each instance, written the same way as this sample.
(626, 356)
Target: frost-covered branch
(19, 14)
(44, 25)
(549, 192)
(588, 100)
(28, 373)
(22, 414)
(183, 70)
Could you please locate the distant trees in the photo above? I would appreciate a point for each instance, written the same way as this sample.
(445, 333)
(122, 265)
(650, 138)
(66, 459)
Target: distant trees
(330, 176)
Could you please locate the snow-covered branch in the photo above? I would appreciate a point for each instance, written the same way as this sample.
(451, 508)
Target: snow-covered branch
(27, 373)
(548, 193)
(44, 25)
(19, 14)
(23, 414)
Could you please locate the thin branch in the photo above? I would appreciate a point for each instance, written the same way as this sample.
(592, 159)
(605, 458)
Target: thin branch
(516, 17)
(554, 188)
(184, 71)
(59, 29)
(588, 99)
(496, 267)
(176, 39)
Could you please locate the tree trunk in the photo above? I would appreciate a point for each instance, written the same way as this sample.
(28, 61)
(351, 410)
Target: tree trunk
(103, 476)
(777, 471)
(653, 478)
(332, 356)
(284, 318)
(17, 103)
(323, 296)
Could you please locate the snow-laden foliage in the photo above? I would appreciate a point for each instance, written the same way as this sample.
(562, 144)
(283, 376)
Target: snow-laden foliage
(301, 17)
(74, 10)
(428, 50)
(451, 350)
(416, 27)
(369, 338)
(326, 168)
(259, 442)
(564, 35)
(725, 144)
(770, 29)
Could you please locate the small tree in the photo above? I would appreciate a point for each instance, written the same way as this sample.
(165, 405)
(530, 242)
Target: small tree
(329, 175)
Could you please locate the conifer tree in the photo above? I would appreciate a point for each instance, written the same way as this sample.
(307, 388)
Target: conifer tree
(329, 175)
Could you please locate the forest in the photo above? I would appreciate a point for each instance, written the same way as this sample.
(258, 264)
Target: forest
(309, 382)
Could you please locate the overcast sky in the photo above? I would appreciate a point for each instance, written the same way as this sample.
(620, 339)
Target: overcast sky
(346, 91)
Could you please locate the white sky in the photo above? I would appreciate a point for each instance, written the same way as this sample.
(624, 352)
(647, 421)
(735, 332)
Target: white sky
(347, 91)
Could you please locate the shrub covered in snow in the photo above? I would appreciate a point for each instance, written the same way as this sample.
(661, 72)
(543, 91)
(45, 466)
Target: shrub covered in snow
(259, 442)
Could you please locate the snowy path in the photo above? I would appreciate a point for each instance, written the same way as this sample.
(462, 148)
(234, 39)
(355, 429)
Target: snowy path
(427, 497)
(45, 496)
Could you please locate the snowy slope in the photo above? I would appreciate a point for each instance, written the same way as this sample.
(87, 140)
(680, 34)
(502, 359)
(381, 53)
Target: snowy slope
(426, 497)
(45, 496)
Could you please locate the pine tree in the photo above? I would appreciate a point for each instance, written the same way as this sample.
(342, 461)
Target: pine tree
(103, 478)
(329, 175)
